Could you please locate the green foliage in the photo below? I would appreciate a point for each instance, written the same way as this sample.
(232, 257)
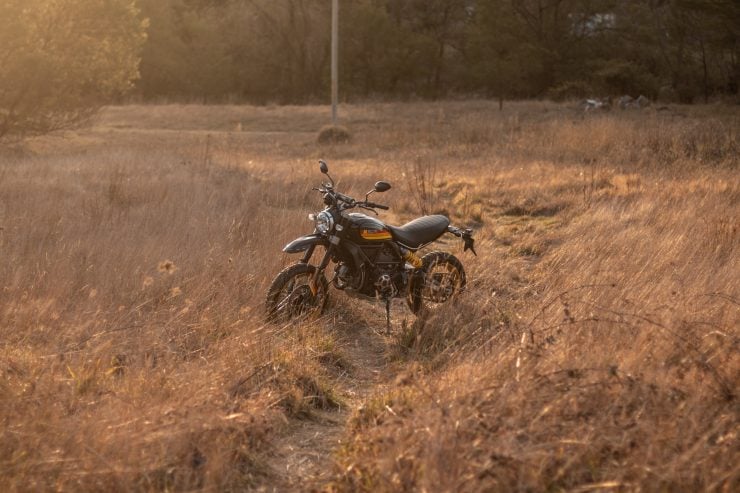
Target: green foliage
(377, 56)
(568, 90)
(185, 52)
(504, 62)
(257, 50)
(409, 48)
(686, 47)
(65, 58)
(625, 77)
(61, 60)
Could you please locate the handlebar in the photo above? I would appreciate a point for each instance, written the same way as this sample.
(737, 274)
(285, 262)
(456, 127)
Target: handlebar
(349, 201)
(345, 198)
(373, 205)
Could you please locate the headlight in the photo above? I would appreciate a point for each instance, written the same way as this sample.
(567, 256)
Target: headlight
(324, 222)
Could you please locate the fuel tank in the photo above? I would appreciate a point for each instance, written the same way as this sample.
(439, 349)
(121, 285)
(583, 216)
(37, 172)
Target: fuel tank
(366, 230)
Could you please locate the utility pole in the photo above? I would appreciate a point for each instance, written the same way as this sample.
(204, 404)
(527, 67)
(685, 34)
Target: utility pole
(334, 61)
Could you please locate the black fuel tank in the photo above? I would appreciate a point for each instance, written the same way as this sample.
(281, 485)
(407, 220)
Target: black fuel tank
(364, 229)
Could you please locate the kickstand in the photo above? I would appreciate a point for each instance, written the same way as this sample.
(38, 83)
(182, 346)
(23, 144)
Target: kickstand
(388, 316)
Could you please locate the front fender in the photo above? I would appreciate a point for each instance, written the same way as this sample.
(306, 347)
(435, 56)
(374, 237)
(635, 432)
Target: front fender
(305, 242)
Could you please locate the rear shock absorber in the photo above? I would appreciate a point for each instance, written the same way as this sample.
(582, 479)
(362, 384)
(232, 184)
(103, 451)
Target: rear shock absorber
(411, 258)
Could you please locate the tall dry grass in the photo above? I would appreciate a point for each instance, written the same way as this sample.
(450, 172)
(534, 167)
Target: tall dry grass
(595, 348)
(619, 372)
(133, 351)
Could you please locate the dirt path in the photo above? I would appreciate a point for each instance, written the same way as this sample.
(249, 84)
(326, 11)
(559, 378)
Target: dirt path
(305, 453)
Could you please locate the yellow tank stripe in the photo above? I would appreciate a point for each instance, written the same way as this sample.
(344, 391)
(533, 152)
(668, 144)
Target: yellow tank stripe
(375, 235)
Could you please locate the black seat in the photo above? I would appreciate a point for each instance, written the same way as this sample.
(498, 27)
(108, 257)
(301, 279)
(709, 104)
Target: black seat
(420, 231)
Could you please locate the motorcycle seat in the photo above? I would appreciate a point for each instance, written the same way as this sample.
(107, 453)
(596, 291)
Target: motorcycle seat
(420, 231)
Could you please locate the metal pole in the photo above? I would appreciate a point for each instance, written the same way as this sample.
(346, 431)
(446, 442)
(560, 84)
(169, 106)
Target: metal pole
(334, 61)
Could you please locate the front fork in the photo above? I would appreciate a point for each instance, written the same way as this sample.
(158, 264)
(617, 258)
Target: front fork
(313, 284)
(308, 254)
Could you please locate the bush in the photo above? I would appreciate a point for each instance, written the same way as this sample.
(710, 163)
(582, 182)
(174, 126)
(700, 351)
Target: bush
(627, 77)
(62, 60)
(334, 134)
(571, 90)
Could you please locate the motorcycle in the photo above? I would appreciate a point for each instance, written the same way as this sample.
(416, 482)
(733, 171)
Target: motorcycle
(372, 260)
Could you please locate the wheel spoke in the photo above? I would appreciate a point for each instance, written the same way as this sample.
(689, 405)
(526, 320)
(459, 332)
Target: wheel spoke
(294, 299)
(442, 281)
(443, 276)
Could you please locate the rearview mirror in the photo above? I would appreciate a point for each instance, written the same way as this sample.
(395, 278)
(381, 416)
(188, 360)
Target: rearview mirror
(382, 186)
(324, 168)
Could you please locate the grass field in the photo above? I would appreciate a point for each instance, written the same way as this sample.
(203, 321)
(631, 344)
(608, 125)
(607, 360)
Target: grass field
(596, 348)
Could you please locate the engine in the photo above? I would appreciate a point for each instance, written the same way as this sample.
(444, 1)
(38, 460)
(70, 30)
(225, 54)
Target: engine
(385, 277)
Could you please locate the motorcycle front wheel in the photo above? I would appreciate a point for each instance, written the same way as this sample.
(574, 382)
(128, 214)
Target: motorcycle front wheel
(289, 297)
(439, 279)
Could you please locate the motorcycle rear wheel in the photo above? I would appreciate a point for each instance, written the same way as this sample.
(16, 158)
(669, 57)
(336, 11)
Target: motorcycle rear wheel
(439, 279)
(289, 297)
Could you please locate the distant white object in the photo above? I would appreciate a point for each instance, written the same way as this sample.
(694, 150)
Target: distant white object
(625, 101)
(596, 104)
(628, 102)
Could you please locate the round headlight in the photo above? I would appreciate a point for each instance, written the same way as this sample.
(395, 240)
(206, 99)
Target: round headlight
(324, 222)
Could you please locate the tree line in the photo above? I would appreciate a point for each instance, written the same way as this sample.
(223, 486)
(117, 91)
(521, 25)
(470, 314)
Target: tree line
(63, 58)
(278, 50)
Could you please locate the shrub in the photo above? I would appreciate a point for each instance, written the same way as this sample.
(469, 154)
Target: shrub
(62, 60)
(334, 134)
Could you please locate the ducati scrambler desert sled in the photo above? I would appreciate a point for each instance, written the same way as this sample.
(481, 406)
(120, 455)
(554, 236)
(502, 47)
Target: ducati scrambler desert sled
(373, 260)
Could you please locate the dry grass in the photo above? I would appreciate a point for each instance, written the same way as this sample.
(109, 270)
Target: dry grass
(595, 348)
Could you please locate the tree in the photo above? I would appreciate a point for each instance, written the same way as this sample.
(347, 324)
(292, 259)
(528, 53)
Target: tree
(698, 42)
(62, 60)
(188, 50)
(291, 51)
(442, 25)
(500, 64)
(378, 55)
(678, 48)
(255, 50)
(525, 48)
(278, 50)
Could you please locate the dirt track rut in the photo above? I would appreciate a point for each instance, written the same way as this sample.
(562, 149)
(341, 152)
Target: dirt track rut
(305, 453)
